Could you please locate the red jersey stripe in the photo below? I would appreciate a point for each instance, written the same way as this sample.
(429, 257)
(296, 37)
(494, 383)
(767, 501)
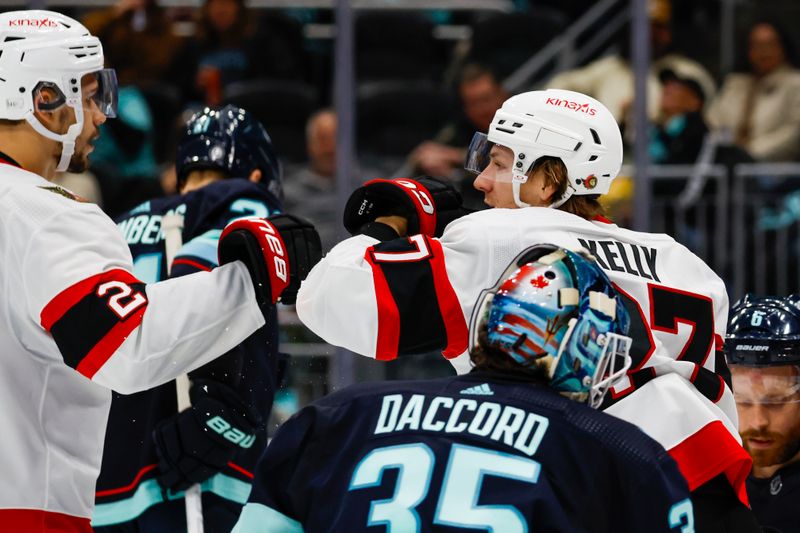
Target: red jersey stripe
(241, 470)
(710, 452)
(41, 521)
(388, 314)
(70, 296)
(191, 263)
(449, 306)
(103, 350)
(132, 485)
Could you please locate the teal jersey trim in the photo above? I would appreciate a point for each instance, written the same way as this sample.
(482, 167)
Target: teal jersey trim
(258, 518)
(203, 247)
(149, 493)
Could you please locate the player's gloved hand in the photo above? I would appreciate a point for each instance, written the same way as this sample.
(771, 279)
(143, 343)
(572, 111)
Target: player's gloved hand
(197, 443)
(303, 246)
(278, 251)
(429, 204)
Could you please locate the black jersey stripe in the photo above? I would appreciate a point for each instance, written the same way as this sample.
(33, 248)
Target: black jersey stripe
(409, 317)
(92, 318)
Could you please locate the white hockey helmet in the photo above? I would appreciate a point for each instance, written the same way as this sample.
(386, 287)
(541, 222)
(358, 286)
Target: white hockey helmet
(41, 49)
(574, 127)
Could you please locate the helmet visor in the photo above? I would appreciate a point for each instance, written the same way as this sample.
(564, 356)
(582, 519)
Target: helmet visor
(478, 153)
(489, 160)
(766, 384)
(107, 91)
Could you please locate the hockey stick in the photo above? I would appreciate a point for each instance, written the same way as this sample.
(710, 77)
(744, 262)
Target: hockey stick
(172, 227)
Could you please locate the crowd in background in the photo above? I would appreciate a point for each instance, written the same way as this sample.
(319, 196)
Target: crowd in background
(419, 98)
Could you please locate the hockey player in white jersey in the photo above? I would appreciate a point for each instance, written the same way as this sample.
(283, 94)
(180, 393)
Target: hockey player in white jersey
(546, 158)
(74, 321)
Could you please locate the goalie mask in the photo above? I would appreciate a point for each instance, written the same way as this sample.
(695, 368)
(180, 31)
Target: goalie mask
(44, 50)
(556, 309)
(568, 125)
(232, 140)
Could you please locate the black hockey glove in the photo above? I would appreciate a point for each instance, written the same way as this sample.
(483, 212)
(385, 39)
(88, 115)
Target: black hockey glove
(197, 443)
(429, 204)
(279, 251)
(303, 247)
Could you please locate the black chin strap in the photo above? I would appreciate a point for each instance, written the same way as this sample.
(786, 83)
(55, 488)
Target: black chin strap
(7, 159)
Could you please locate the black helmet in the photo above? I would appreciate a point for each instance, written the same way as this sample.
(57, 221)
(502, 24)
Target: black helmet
(229, 139)
(764, 331)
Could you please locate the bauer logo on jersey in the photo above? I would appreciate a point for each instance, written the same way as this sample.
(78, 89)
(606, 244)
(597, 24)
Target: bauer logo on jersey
(574, 106)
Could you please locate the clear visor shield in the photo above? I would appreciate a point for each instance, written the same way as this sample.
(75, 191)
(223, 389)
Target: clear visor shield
(766, 385)
(478, 153)
(483, 160)
(611, 367)
(107, 91)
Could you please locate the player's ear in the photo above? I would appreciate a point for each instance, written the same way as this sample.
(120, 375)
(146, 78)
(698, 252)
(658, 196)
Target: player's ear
(548, 191)
(49, 109)
(255, 176)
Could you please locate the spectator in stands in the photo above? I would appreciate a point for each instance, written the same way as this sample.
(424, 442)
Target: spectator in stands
(310, 190)
(480, 94)
(137, 39)
(759, 108)
(678, 133)
(610, 79)
(232, 44)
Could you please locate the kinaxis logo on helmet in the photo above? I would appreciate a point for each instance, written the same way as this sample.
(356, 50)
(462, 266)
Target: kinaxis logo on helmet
(38, 23)
(574, 106)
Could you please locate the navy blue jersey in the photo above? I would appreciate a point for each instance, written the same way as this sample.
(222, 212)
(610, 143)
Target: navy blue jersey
(774, 500)
(126, 486)
(478, 452)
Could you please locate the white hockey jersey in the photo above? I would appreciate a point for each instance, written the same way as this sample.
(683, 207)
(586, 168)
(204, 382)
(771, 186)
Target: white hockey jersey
(416, 294)
(75, 324)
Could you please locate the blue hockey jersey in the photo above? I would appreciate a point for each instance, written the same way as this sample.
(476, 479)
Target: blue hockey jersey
(127, 486)
(477, 452)
(774, 499)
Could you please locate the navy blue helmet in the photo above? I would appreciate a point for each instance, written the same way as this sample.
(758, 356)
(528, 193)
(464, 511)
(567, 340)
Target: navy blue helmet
(232, 140)
(764, 331)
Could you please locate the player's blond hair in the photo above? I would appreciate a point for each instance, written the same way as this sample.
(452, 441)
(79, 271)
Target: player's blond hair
(555, 174)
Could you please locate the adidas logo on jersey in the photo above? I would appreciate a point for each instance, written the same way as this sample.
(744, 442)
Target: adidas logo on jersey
(479, 390)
